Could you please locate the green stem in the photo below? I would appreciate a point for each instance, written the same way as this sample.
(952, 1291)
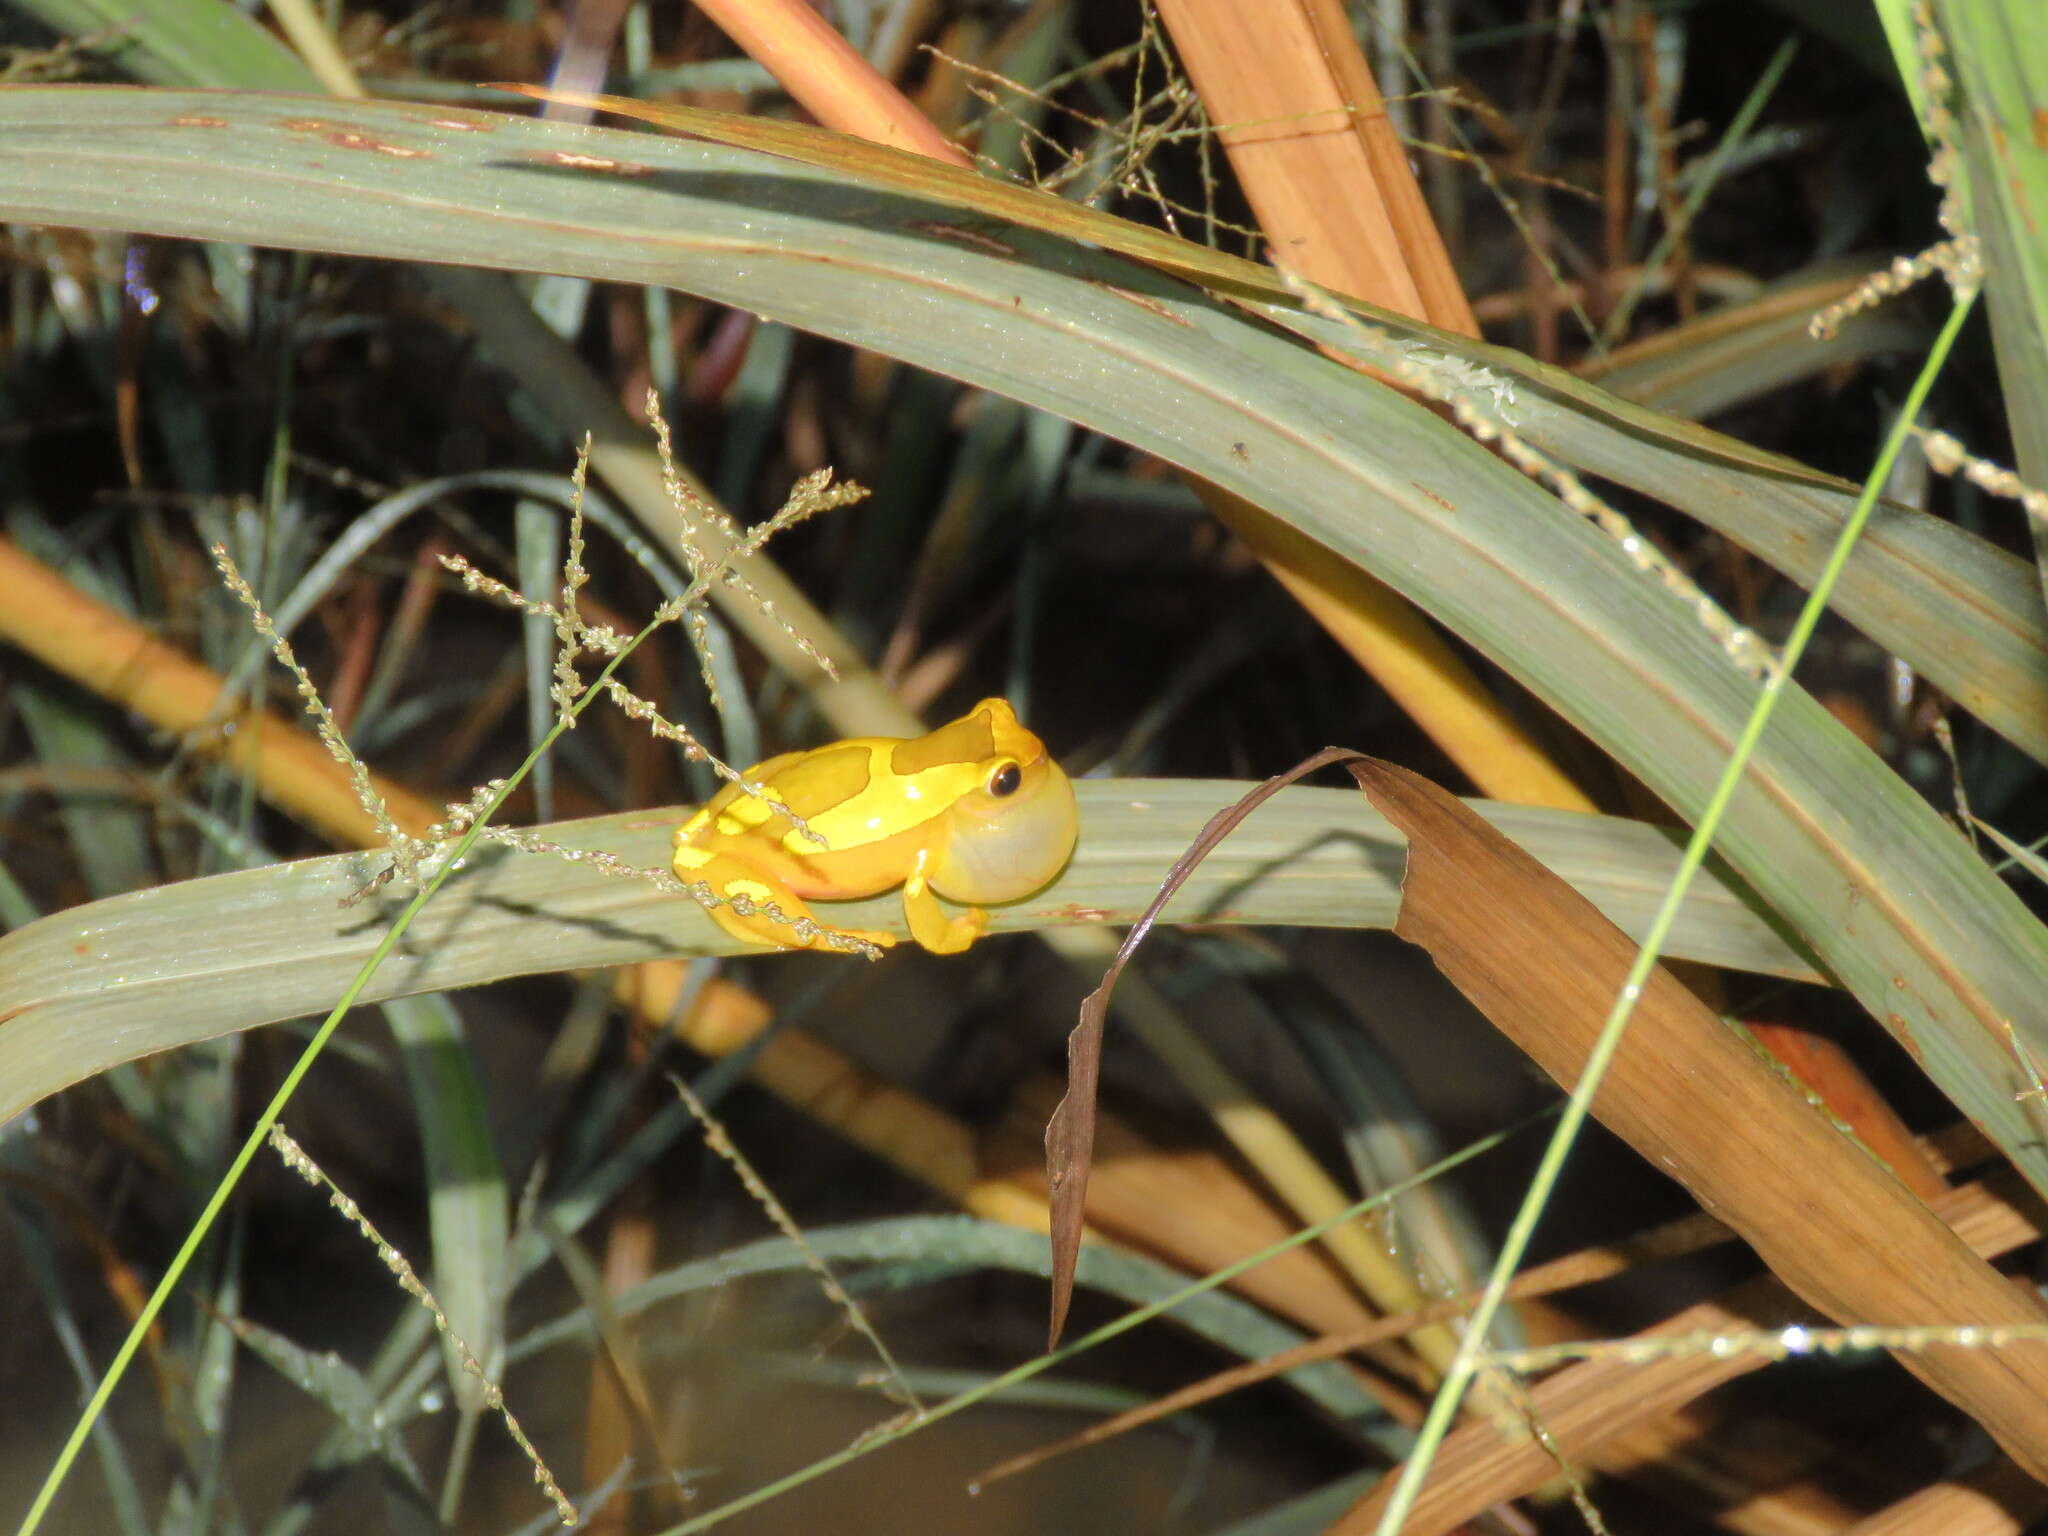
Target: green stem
(911, 1424)
(1465, 1363)
(271, 1111)
(469, 1416)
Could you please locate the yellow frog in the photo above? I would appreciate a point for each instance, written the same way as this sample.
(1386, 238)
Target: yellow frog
(975, 811)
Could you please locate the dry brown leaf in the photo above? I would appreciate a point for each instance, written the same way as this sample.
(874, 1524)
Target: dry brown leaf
(1307, 134)
(1184, 1203)
(1688, 1234)
(1994, 1500)
(1589, 1409)
(1070, 1133)
(1837, 1228)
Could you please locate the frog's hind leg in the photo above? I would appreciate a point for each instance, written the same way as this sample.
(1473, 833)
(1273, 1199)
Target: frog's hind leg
(732, 879)
(929, 922)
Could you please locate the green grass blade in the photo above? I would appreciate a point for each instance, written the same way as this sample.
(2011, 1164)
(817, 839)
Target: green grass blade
(168, 967)
(1708, 174)
(323, 1375)
(2000, 58)
(450, 861)
(1175, 1302)
(466, 1200)
(107, 833)
(1746, 348)
(537, 530)
(17, 907)
(182, 42)
(1946, 605)
(1961, 610)
(873, 252)
(1464, 1365)
(1312, 1513)
(963, 1244)
(39, 1254)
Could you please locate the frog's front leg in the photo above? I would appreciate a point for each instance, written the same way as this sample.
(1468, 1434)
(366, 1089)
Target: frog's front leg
(730, 877)
(929, 924)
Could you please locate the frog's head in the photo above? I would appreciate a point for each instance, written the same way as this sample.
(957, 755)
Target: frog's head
(1015, 829)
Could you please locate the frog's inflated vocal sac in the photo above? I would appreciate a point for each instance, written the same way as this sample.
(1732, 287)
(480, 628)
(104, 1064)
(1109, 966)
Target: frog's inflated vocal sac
(975, 811)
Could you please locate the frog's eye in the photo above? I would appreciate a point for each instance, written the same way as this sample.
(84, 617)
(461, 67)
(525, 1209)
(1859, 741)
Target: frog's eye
(1004, 780)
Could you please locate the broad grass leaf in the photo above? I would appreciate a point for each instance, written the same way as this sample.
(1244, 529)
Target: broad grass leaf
(1934, 946)
(151, 970)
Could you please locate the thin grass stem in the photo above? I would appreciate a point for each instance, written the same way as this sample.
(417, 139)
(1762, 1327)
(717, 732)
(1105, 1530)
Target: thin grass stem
(909, 1424)
(260, 1131)
(1465, 1364)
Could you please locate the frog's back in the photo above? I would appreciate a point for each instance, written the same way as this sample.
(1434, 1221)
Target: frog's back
(806, 782)
(817, 781)
(824, 787)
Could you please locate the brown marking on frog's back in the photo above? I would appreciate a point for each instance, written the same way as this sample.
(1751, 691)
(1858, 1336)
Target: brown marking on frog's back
(966, 740)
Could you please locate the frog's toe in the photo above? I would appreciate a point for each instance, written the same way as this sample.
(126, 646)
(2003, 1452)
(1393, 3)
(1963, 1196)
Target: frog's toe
(949, 936)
